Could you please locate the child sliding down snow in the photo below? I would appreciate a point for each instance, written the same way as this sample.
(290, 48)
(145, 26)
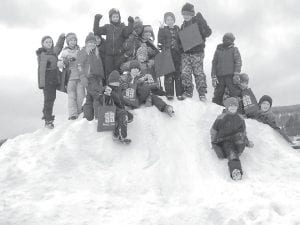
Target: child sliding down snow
(228, 137)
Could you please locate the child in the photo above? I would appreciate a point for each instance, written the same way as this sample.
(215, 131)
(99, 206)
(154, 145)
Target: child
(148, 41)
(265, 115)
(75, 90)
(168, 38)
(144, 83)
(91, 74)
(100, 42)
(116, 33)
(113, 93)
(48, 75)
(226, 62)
(192, 60)
(228, 137)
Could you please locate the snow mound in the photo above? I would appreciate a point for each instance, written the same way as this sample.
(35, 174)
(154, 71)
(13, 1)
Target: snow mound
(168, 175)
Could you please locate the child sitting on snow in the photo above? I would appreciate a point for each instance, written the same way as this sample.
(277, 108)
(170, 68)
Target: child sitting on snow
(265, 115)
(226, 62)
(113, 93)
(75, 89)
(228, 137)
(144, 83)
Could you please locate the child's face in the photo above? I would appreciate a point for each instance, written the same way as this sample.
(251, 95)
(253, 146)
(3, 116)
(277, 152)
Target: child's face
(265, 106)
(135, 72)
(98, 40)
(142, 58)
(187, 17)
(244, 85)
(227, 41)
(91, 45)
(115, 18)
(232, 109)
(48, 43)
(170, 21)
(147, 35)
(72, 42)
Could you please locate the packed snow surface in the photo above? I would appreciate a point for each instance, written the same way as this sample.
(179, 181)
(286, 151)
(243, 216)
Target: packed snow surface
(169, 175)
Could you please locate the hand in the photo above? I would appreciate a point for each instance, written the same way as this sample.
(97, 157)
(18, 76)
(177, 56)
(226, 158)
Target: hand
(107, 91)
(130, 19)
(161, 24)
(98, 16)
(84, 81)
(215, 82)
(250, 144)
(62, 35)
(199, 15)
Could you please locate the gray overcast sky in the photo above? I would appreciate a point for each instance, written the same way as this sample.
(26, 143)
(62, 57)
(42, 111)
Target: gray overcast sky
(267, 34)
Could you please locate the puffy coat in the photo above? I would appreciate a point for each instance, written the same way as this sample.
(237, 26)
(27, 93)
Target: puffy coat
(168, 41)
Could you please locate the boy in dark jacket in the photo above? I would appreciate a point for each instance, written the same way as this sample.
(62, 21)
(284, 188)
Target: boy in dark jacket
(48, 74)
(91, 74)
(266, 116)
(228, 137)
(116, 33)
(226, 63)
(168, 38)
(113, 94)
(192, 60)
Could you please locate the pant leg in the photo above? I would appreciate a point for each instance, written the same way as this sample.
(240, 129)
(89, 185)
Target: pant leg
(94, 89)
(158, 102)
(118, 61)
(72, 98)
(109, 65)
(219, 91)
(186, 74)
(80, 96)
(49, 98)
(88, 109)
(169, 84)
(142, 91)
(230, 150)
(234, 91)
(177, 75)
(121, 124)
(200, 77)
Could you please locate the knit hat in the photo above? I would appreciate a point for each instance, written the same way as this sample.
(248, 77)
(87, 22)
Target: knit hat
(134, 64)
(90, 37)
(188, 9)
(244, 78)
(142, 51)
(114, 76)
(46, 37)
(265, 98)
(69, 36)
(148, 28)
(229, 36)
(232, 101)
(114, 11)
(169, 14)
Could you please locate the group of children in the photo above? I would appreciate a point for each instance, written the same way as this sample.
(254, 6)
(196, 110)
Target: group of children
(121, 70)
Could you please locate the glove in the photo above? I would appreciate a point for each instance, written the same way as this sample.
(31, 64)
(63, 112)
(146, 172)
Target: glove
(107, 91)
(130, 19)
(250, 144)
(84, 81)
(214, 81)
(62, 35)
(98, 16)
(199, 15)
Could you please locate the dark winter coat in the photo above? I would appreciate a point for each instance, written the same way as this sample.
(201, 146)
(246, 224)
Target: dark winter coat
(228, 127)
(101, 49)
(204, 30)
(168, 41)
(227, 60)
(47, 61)
(115, 36)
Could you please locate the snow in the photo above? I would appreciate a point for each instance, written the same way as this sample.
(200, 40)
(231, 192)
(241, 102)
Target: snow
(168, 175)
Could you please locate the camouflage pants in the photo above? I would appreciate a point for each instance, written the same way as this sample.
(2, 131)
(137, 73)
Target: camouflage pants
(193, 64)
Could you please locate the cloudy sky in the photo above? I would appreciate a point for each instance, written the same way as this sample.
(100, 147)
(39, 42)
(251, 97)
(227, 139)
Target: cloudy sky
(267, 34)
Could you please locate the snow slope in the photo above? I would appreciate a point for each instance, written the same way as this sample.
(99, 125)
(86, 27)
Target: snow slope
(167, 176)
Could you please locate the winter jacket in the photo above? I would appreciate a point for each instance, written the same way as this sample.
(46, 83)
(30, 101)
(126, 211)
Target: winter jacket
(115, 36)
(228, 127)
(89, 64)
(69, 56)
(205, 32)
(47, 61)
(227, 61)
(116, 98)
(168, 38)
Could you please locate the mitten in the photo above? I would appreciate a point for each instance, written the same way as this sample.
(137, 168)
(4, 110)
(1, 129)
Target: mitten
(130, 19)
(98, 16)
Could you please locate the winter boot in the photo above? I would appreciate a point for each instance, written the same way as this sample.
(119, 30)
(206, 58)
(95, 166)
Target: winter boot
(49, 124)
(187, 94)
(170, 97)
(72, 118)
(202, 98)
(119, 139)
(169, 110)
(235, 169)
(180, 98)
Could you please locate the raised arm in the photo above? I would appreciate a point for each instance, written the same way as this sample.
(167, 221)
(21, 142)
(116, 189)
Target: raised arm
(128, 29)
(59, 44)
(97, 29)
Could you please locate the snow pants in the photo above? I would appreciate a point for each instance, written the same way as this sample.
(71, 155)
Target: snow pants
(76, 94)
(121, 123)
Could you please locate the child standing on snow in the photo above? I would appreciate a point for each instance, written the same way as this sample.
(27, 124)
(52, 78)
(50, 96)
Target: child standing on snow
(91, 74)
(113, 94)
(48, 74)
(116, 33)
(265, 115)
(228, 137)
(168, 38)
(226, 63)
(75, 89)
(192, 60)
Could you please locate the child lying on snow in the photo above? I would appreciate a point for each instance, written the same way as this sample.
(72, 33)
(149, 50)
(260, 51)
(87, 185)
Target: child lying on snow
(228, 137)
